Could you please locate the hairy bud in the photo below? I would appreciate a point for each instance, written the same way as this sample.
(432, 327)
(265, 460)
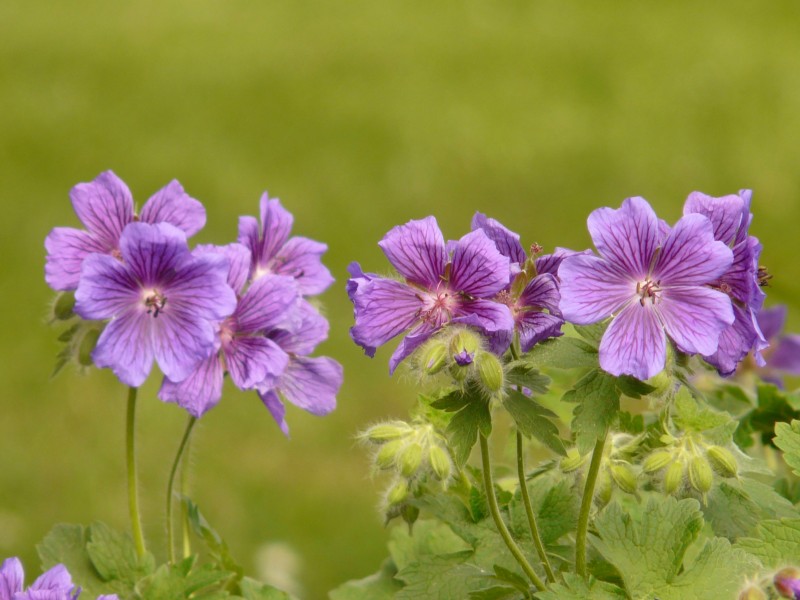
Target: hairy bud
(86, 347)
(701, 477)
(572, 461)
(398, 492)
(386, 458)
(63, 306)
(624, 477)
(490, 370)
(673, 477)
(385, 432)
(410, 459)
(752, 592)
(657, 461)
(463, 347)
(433, 357)
(440, 462)
(723, 461)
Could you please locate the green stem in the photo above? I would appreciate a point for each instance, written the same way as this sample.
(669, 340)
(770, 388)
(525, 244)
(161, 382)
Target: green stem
(526, 500)
(184, 484)
(586, 506)
(171, 487)
(133, 492)
(488, 484)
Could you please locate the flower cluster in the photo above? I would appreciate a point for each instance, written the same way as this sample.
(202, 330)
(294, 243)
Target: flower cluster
(240, 309)
(53, 584)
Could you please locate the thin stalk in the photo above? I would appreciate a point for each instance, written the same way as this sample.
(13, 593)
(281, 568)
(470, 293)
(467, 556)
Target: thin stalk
(498, 519)
(133, 492)
(526, 500)
(586, 506)
(184, 484)
(171, 486)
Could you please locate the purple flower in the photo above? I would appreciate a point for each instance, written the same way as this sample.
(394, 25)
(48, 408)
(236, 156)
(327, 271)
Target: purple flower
(783, 355)
(53, 584)
(652, 281)
(249, 357)
(311, 383)
(105, 207)
(730, 216)
(787, 582)
(160, 299)
(440, 287)
(275, 252)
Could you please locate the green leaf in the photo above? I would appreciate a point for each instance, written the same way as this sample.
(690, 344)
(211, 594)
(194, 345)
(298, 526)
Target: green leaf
(114, 556)
(441, 577)
(66, 544)
(787, 438)
(777, 543)
(651, 552)
(592, 333)
(632, 387)
(689, 416)
(430, 538)
(182, 581)
(523, 374)
(597, 399)
(576, 587)
(214, 542)
(497, 592)
(533, 420)
(555, 505)
(471, 416)
(731, 512)
(379, 586)
(255, 590)
(562, 353)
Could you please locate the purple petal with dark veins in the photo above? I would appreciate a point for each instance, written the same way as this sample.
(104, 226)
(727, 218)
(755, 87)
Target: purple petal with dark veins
(67, 248)
(634, 343)
(106, 289)
(771, 320)
(591, 290)
(478, 268)
(357, 279)
(200, 391)
(239, 259)
(747, 216)
(786, 356)
(533, 327)
(304, 336)
(104, 206)
(415, 338)
(312, 383)
(417, 251)
(541, 292)
(549, 263)
(493, 319)
(506, 241)
(626, 237)
(276, 224)
(690, 255)
(301, 258)
(171, 204)
(694, 317)
(254, 360)
(12, 578)
(275, 408)
(181, 340)
(56, 579)
(268, 303)
(249, 238)
(735, 342)
(150, 251)
(198, 286)
(726, 214)
(742, 276)
(383, 309)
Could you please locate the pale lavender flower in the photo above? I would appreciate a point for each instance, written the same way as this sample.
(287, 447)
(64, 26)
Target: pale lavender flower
(442, 286)
(730, 216)
(653, 282)
(275, 252)
(243, 351)
(783, 355)
(160, 299)
(310, 383)
(105, 207)
(54, 584)
(787, 582)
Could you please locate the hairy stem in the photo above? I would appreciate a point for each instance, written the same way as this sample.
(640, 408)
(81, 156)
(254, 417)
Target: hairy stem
(133, 492)
(498, 519)
(526, 500)
(171, 486)
(183, 486)
(586, 506)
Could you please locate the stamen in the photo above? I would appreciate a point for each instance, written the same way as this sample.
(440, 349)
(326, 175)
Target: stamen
(763, 276)
(155, 303)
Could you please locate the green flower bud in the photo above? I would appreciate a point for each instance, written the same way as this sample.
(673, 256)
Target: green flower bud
(463, 347)
(723, 461)
(63, 306)
(490, 370)
(701, 477)
(386, 457)
(384, 432)
(603, 494)
(410, 459)
(667, 439)
(86, 347)
(673, 477)
(433, 357)
(440, 462)
(572, 461)
(398, 492)
(657, 461)
(752, 592)
(624, 477)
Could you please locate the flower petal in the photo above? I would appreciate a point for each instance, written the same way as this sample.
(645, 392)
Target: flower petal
(592, 290)
(541, 292)
(383, 309)
(181, 340)
(171, 204)
(626, 237)
(200, 391)
(106, 289)
(742, 276)
(12, 578)
(357, 279)
(634, 343)
(239, 259)
(417, 251)
(549, 263)
(56, 578)
(726, 213)
(304, 336)
(67, 248)
(478, 268)
(300, 258)
(254, 360)
(415, 338)
(690, 255)
(276, 224)
(104, 206)
(786, 356)
(151, 251)
(275, 408)
(771, 320)
(312, 383)
(506, 241)
(268, 303)
(493, 319)
(735, 342)
(197, 285)
(126, 347)
(533, 327)
(694, 317)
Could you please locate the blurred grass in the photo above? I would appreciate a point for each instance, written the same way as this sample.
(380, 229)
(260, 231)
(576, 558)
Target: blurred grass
(359, 115)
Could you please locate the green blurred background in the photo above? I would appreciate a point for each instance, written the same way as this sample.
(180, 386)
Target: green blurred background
(359, 115)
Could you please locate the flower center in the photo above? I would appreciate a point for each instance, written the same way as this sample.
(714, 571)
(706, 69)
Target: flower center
(648, 289)
(154, 302)
(438, 307)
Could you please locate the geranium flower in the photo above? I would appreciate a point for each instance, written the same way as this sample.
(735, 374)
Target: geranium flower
(273, 251)
(730, 216)
(105, 207)
(53, 584)
(160, 299)
(783, 355)
(653, 282)
(453, 283)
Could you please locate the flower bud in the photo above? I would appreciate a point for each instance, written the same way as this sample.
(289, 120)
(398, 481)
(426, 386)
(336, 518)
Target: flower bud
(701, 477)
(63, 306)
(440, 462)
(787, 582)
(410, 459)
(463, 347)
(398, 492)
(673, 477)
(667, 439)
(657, 461)
(384, 432)
(723, 461)
(433, 357)
(572, 461)
(86, 347)
(387, 455)
(490, 370)
(624, 477)
(603, 494)
(752, 592)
